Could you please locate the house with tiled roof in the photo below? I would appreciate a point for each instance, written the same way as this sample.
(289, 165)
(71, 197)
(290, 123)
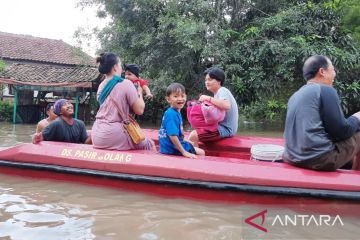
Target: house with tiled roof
(35, 67)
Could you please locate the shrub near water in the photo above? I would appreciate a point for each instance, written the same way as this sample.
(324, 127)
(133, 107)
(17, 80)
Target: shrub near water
(6, 111)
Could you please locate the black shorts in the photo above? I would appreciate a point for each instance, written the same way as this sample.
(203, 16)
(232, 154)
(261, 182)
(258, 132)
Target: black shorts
(188, 147)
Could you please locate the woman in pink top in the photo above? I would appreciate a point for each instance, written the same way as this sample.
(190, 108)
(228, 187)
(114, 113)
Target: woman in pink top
(108, 131)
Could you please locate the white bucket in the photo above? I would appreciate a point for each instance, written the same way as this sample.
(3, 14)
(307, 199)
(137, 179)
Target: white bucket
(267, 152)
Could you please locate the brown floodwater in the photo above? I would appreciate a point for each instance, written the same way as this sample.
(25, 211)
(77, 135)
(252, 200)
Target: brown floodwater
(44, 205)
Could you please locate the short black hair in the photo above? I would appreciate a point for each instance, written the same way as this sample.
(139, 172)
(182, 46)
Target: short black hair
(133, 68)
(175, 87)
(216, 73)
(107, 61)
(49, 106)
(313, 64)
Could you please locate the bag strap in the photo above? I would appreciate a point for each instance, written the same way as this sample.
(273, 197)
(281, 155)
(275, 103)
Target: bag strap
(120, 111)
(107, 89)
(132, 119)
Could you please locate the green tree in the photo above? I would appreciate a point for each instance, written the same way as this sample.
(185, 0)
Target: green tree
(351, 19)
(261, 44)
(266, 58)
(165, 38)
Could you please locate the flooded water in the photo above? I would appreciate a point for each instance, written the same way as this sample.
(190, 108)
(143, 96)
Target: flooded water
(44, 205)
(12, 134)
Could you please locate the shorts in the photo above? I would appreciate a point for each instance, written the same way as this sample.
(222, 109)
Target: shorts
(343, 153)
(188, 147)
(208, 136)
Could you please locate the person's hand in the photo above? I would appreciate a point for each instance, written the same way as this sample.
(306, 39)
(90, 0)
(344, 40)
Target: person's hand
(37, 138)
(188, 155)
(149, 96)
(204, 98)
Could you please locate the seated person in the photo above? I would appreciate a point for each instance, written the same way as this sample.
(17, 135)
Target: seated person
(132, 72)
(65, 128)
(317, 135)
(171, 137)
(224, 100)
(45, 122)
(117, 98)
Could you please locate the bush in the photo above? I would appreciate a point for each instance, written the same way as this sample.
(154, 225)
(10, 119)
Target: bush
(6, 111)
(272, 111)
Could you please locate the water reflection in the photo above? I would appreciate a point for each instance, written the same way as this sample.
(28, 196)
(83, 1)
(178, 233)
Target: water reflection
(48, 209)
(265, 129)
(34, 210)
(11, 134)
(31, 210)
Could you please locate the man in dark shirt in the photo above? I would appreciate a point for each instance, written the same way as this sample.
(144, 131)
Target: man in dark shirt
(317, 135)
(65, 128)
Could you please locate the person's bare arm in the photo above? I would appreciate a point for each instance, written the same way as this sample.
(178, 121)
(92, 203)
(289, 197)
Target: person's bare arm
(220, 103)
(40, 126)
(139, 105)
(357, 115)
(88, 139)
(147, 92)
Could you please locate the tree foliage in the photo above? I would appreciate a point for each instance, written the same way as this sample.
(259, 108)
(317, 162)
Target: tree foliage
(266, 59)
(261, 44)
(2, 65)
(6, 110)
(351, 19)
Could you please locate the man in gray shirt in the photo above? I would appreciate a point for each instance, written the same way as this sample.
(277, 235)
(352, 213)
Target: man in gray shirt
(224, 100)
(317, 135)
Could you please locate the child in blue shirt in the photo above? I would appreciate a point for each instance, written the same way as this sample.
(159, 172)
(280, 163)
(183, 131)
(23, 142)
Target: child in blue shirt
(171, 137)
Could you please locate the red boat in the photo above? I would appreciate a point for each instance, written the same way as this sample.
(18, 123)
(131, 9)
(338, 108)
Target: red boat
(227, 166)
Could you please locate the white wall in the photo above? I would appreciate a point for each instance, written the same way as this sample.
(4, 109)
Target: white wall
(6, 91)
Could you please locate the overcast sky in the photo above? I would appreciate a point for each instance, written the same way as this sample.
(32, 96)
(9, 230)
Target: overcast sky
(55, 19)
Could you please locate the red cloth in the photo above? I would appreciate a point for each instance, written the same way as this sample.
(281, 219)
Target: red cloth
(141, 82)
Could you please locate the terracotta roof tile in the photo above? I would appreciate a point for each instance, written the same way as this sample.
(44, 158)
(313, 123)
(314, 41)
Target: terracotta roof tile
(49, 75)
(26, 47)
